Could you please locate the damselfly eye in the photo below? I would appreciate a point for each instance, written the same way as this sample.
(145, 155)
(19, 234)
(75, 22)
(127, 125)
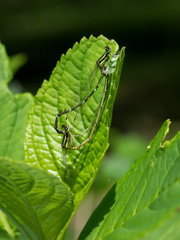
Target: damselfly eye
(65, 127)
(107, 48)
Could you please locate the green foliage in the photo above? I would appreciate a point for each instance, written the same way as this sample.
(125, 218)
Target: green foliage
(124, 150)
(5, 70)
(73, 170)
(14, 109)
(34, 199)
(42, 186)
(17, 61)
(144, 203)
(76, 168)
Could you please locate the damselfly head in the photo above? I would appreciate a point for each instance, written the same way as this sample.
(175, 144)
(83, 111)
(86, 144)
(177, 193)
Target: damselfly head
(107, 49)
(65, 127)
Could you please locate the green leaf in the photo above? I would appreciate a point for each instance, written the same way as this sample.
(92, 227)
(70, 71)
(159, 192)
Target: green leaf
(65, 88)
(7, 228)
(17, 61)
(5, 69)
(144, 203)
(4, 235)
(14, 109)
(13, 113)
(12, 129)
(37, 202)
(43, 144)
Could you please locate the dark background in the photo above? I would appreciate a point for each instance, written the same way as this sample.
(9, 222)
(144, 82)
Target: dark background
(150, 30)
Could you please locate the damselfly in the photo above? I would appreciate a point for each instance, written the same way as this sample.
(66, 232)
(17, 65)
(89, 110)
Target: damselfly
(105, 70)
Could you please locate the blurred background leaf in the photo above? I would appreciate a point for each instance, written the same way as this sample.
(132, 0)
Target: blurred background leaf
(17, 61)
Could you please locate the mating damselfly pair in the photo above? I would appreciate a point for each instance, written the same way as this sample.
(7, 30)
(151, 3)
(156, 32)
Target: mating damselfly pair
(106, 64)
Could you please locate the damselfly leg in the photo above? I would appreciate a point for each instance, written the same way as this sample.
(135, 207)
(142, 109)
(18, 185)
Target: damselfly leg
(95, 122)
(100, 64)
(105, 70)
(68, 138)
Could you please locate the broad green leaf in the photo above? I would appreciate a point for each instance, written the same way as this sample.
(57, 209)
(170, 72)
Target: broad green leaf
(5, 69)
(65, 88)
(12, 128)
(13, 115)
(37, 202)
(66, 85)
(144, 203)
(14, 109)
